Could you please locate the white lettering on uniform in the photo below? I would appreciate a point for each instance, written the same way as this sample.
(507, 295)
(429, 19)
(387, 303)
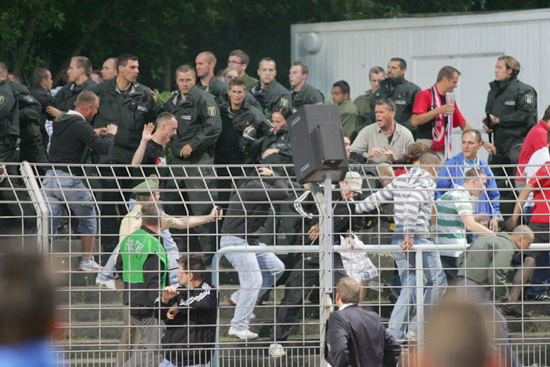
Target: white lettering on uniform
(400, 102)
(185, 117)
(142, 108)
(510, 103)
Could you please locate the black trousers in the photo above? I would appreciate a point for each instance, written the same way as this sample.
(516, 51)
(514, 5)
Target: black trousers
(304, 276)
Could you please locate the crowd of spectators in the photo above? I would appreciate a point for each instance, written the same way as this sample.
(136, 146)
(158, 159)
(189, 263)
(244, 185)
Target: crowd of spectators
(202, 137)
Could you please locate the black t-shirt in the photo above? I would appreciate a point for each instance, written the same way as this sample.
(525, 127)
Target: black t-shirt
(154, 154)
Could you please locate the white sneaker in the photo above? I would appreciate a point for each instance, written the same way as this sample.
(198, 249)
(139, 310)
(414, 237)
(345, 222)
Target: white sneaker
(411, 336)
(89, 265)
(277, 350)
(109, 283)
(243, 334)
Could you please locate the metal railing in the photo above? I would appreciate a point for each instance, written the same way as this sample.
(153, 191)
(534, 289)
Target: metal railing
(102, 350)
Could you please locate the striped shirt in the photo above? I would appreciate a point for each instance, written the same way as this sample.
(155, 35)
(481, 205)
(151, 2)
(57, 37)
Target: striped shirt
(450, 229)
(412, 195)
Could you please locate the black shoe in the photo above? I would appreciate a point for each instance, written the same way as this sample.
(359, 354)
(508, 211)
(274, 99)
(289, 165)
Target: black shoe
(515, 310)
(537, 297)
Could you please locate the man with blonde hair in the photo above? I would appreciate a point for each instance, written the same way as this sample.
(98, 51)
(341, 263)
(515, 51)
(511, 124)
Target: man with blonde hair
(80, 70)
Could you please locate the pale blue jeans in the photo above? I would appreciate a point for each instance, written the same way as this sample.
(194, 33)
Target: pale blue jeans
(257, 273)
(435, 283)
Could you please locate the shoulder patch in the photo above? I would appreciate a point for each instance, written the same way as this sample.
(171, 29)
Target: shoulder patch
(284, 102)
(29, 99)
(212, 111)
(529, 98)
(1, 99)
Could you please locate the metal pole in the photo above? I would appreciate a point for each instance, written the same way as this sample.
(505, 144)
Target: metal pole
(216, 284)
(40, 206)
(327, 261)
(420, 296)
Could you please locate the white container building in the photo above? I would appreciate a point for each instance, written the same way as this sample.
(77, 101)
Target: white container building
(470, 42)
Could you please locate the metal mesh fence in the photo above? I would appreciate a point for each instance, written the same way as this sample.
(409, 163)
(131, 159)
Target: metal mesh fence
(283, 300)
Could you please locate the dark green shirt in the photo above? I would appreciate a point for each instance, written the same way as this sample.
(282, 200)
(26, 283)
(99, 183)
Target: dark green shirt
(351, 122)
(487, 262)
(29, 113)
(249, 81)
(363, 104)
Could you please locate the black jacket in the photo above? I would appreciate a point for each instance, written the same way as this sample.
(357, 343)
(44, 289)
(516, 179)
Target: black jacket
(46, 100)
(129, 111)
(403, 93)
(250, 208)
(515, 104)
(199, 122)
(71, 135)
(230, 147)
(9, 110)
(357, 338)
(189, 338)
(65, 99)
(29, 113)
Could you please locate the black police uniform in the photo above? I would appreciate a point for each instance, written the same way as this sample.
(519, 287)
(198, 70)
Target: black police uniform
(9, 126)
(515, 104)
(403, 93)
(45, 99)
(31, 148)
(65, 99)
(130, 110)
(272, 97)
(199, 125)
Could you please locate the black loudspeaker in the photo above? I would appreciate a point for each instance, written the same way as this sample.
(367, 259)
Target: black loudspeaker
(317, 142)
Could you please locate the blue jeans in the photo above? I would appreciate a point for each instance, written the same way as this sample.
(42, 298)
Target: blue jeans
(435, 283)
(61, 189)
(477, 293)
(167, 363)
(170, 246)
(257, 273)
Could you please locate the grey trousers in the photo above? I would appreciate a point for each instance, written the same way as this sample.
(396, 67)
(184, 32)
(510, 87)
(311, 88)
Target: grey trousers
(151, 330)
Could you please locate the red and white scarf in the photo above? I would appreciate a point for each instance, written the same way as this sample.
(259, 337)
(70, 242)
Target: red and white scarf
(442, 129)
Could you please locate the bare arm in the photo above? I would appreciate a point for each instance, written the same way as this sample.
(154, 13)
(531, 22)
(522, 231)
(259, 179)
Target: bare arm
(145, 137)
(473, 226)
(194, 221)
(422, 118)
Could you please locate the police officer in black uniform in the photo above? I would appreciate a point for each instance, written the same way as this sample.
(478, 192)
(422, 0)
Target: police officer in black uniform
(512, 110)
(79, 73)
(199, 126)
(42, 83)
(9, 122)
(400, 90)
(31, 147)
(268, 92)
(237, 115)
(129, 105)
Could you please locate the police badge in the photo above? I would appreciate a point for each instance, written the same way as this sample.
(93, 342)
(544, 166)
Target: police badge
(284, 102)
(529, 98)
(212, 111)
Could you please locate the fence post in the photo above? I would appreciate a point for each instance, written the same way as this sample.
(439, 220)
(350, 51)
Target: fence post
(216, 285)
(40, 206)
(420, 295)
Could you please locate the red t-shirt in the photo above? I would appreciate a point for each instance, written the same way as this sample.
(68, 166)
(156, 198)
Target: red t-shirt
(401, 171)
(536, 139)
(423, 104)
(541, 210)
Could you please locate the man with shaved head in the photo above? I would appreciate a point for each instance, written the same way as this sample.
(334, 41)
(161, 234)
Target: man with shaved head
(205, 64)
